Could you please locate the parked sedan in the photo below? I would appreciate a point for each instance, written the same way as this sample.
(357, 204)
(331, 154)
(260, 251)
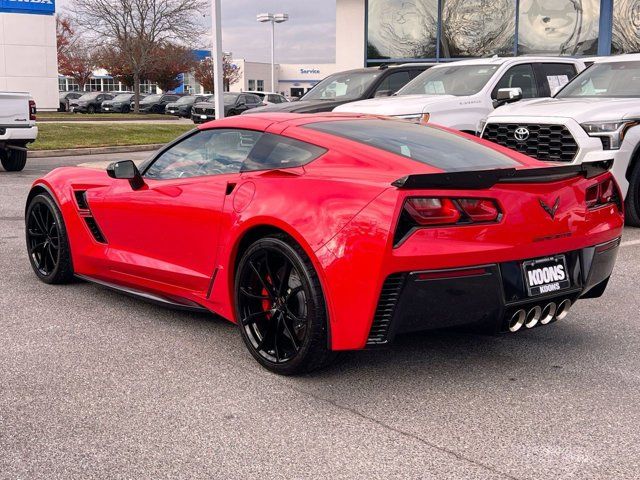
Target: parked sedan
(269, 98)
(234, 104)
(119, 104)
(156, 103)
(182, 108)
(89, 102)
(65, 98)
(322, 233)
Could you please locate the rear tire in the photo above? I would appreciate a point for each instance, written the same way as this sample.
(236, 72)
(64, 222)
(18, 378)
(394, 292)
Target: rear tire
(280, 307)
(91, 109)
(13, 160)
(632, 202)
(47, 241)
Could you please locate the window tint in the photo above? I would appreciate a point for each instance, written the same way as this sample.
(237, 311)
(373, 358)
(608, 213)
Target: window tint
(208, 152)
(394, 82)
(276, 151)
(424, 144)
(253, 100)
(519, 76)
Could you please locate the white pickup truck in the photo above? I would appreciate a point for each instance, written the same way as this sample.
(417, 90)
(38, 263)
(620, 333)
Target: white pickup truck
(459, 94)
(17, 129)
(594, 118)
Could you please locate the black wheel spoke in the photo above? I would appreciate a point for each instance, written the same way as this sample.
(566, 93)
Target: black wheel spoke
(37, 246)
(275, 339)
(37, 222)
(284, 281)
(292, 337)
(43, 238)
(253, 316)
(262, 280)
(248, 294)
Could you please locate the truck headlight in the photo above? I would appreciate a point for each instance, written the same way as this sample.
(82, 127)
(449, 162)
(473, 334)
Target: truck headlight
(611, 133)
(415, 117)
(480, 127)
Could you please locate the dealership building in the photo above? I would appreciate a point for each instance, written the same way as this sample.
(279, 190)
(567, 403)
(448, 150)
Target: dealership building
(368, 33)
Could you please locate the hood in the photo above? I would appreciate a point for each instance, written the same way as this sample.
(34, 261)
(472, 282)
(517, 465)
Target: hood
(395, 105)
(580, 109)
(205, 104)
(301, 106)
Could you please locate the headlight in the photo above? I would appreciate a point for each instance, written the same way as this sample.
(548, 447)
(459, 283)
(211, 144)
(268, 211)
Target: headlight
(415, 117)
(480, 126)
(611, 133)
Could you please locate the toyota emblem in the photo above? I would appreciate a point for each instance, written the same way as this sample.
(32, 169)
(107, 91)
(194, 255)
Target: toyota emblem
(521, 134)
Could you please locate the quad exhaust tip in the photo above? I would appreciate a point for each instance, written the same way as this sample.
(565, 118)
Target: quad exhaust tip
(563, 309)
(533, 317)
(517, 320)
(548, 313)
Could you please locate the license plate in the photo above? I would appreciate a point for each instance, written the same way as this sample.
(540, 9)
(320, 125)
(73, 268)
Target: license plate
(203, 117)
(546, 275)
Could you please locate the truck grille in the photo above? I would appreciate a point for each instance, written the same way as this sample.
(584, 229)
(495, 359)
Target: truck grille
(544, 142)
(203, 111)
(378, 335)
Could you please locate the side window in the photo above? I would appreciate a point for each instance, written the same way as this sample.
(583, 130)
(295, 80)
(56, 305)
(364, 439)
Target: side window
(100, 98)
(518, 76)
(242, 99)
(557, 75)
(394, 82)
(207, 152)
(276, 151)
(254, 100)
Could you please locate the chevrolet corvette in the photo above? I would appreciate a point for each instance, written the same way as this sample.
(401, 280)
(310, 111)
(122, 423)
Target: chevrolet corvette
(329, 232)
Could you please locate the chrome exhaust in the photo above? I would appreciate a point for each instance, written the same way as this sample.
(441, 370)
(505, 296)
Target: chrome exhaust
(548, 313)
(533, 317)
(517, 320)
(563, 309)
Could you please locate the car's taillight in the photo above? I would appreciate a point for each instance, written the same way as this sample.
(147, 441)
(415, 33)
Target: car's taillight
(419, 212)
(603, 193)
(32, 110)
(432, 211)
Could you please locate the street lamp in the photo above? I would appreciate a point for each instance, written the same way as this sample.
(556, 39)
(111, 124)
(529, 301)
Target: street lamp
(273, 18)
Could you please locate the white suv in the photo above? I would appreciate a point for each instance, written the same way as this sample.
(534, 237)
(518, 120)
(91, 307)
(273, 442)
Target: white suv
(460, 94)
(594, 118)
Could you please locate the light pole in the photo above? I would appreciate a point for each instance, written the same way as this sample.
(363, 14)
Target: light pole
(216, 53)
(273, 18)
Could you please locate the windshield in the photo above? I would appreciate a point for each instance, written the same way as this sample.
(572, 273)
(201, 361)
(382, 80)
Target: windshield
(606, 80)
(456, 80)
(123, 97)
(229, 98)
(151, 98)
(186, 100)
(342, 86)
(90, 96)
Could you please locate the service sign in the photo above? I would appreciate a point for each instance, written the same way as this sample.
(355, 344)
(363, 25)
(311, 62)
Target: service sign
(42, 7)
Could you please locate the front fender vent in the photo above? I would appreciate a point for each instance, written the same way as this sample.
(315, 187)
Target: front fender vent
(85, 213)
(379, 333)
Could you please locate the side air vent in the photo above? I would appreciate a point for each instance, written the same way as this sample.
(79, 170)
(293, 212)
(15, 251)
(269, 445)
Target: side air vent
(378, 335)
(81, 199)
(95, 230)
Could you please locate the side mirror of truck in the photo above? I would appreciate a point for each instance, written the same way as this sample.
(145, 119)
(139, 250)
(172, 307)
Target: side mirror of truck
(507, 95)
(126, 170)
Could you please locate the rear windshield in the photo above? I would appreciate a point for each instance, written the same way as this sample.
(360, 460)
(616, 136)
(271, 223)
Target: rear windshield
(424, 144)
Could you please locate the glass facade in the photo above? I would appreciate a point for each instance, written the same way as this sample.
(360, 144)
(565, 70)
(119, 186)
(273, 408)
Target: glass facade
(448, 29)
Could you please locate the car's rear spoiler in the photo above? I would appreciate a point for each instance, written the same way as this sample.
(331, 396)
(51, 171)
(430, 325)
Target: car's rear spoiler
(481, 179)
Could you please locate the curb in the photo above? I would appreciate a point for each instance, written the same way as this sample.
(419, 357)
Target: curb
(93, 151)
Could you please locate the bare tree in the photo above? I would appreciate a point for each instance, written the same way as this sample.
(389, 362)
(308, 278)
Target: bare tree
(75, 57)
(203, 73)
(135, 28)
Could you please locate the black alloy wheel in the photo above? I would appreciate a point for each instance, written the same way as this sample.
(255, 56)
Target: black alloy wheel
(280, 307)
(47, 242)
(91, 109)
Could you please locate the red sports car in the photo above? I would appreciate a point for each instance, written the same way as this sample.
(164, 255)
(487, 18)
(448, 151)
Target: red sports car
(320, 233)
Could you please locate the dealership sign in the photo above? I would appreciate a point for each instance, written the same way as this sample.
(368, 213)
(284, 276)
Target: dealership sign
(41, 7)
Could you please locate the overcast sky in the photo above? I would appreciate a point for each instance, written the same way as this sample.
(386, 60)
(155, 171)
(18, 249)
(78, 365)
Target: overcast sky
(308, 36)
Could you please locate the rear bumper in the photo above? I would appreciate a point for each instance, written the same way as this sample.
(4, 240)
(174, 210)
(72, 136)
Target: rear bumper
(483, 296)
(27, 134)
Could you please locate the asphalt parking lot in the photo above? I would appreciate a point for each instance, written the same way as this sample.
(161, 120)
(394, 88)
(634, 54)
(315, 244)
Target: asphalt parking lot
(94, 384)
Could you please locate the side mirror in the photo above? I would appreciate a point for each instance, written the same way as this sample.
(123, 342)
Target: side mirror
(126, 170)
(242, 104)
(383, 93)
(507, 95)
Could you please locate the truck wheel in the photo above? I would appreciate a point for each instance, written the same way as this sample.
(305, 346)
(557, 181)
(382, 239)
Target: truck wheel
(13, 160)
(632, 202)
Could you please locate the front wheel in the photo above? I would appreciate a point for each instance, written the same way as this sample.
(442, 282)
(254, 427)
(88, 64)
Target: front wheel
(91, 109)
(47, 241)
(632, 202)
(280, 307)
(13, 160)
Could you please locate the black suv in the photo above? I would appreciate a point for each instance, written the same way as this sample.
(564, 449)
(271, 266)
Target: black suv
(234, 104)
(182, 108)
(120, 103)
(156, 103)
(351, 86)
(89, 102)
(65, 98)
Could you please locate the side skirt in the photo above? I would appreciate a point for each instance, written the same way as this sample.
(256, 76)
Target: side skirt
(179, 304)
